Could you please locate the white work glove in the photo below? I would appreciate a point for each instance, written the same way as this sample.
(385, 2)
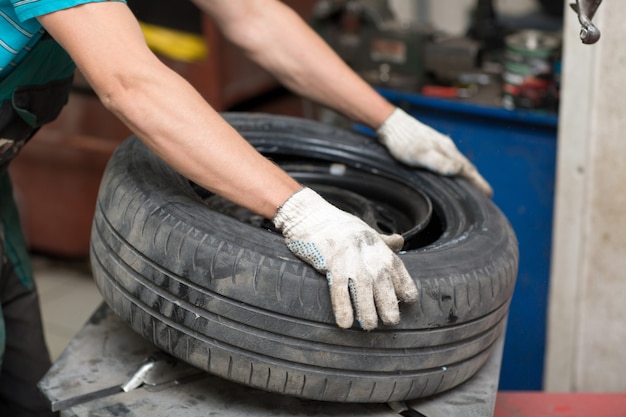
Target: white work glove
(359, 263)
(418, 145)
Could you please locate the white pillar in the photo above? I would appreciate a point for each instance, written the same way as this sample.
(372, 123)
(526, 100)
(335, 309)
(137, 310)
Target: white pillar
(586, 349)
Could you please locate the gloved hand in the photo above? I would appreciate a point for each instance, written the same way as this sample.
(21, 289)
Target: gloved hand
(418, 145)
(359, 263)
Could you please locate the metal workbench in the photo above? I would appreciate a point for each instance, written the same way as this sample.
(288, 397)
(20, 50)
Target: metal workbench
(106, 357)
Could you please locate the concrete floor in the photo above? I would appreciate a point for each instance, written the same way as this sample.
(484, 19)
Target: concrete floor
(68, 296)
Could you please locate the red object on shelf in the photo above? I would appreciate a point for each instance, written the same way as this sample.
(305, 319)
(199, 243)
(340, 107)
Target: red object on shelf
(542, 404)
(440, 91)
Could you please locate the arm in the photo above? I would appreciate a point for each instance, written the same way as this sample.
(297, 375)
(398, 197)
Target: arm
(275, 37)
(107, 45)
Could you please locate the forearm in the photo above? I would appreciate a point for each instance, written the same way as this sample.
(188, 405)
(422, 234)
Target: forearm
(199, 144)
(163, 109)
(276, 38)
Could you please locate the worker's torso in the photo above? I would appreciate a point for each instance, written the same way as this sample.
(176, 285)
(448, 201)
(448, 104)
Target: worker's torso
(35, 72)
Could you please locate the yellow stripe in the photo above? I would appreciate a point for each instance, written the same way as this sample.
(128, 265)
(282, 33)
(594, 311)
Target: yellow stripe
(175, 44)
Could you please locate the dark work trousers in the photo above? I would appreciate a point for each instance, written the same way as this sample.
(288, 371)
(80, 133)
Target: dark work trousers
(26, 358)
(32, 95)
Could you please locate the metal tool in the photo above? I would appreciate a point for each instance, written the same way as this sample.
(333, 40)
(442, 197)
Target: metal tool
(586, 9)
(158, 372)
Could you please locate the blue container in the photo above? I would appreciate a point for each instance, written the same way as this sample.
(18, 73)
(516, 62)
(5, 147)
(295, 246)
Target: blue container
(516, 152)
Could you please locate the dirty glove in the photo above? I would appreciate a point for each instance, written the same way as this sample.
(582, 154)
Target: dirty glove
(415, 144)
(359, 264)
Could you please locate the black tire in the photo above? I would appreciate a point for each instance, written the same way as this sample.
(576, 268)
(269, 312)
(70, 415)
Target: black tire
(228, 297)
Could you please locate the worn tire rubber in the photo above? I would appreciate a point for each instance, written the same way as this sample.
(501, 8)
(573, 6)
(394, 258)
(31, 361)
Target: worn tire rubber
(229, 297)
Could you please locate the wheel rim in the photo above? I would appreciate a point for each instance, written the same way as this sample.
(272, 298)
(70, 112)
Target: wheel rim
(386, 205)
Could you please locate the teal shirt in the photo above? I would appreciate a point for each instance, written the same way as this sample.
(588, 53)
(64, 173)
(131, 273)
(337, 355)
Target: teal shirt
(20, 30)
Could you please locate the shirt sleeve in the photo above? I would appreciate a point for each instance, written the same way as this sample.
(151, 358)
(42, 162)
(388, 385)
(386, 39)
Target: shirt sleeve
(29, 9)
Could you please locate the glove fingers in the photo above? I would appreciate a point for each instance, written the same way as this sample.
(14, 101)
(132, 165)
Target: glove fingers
(403, 283)
(472, 175)
(364, 305)
(468, 170)
(394, 242)
(441, 163)
(386, 301)
(342, 305)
